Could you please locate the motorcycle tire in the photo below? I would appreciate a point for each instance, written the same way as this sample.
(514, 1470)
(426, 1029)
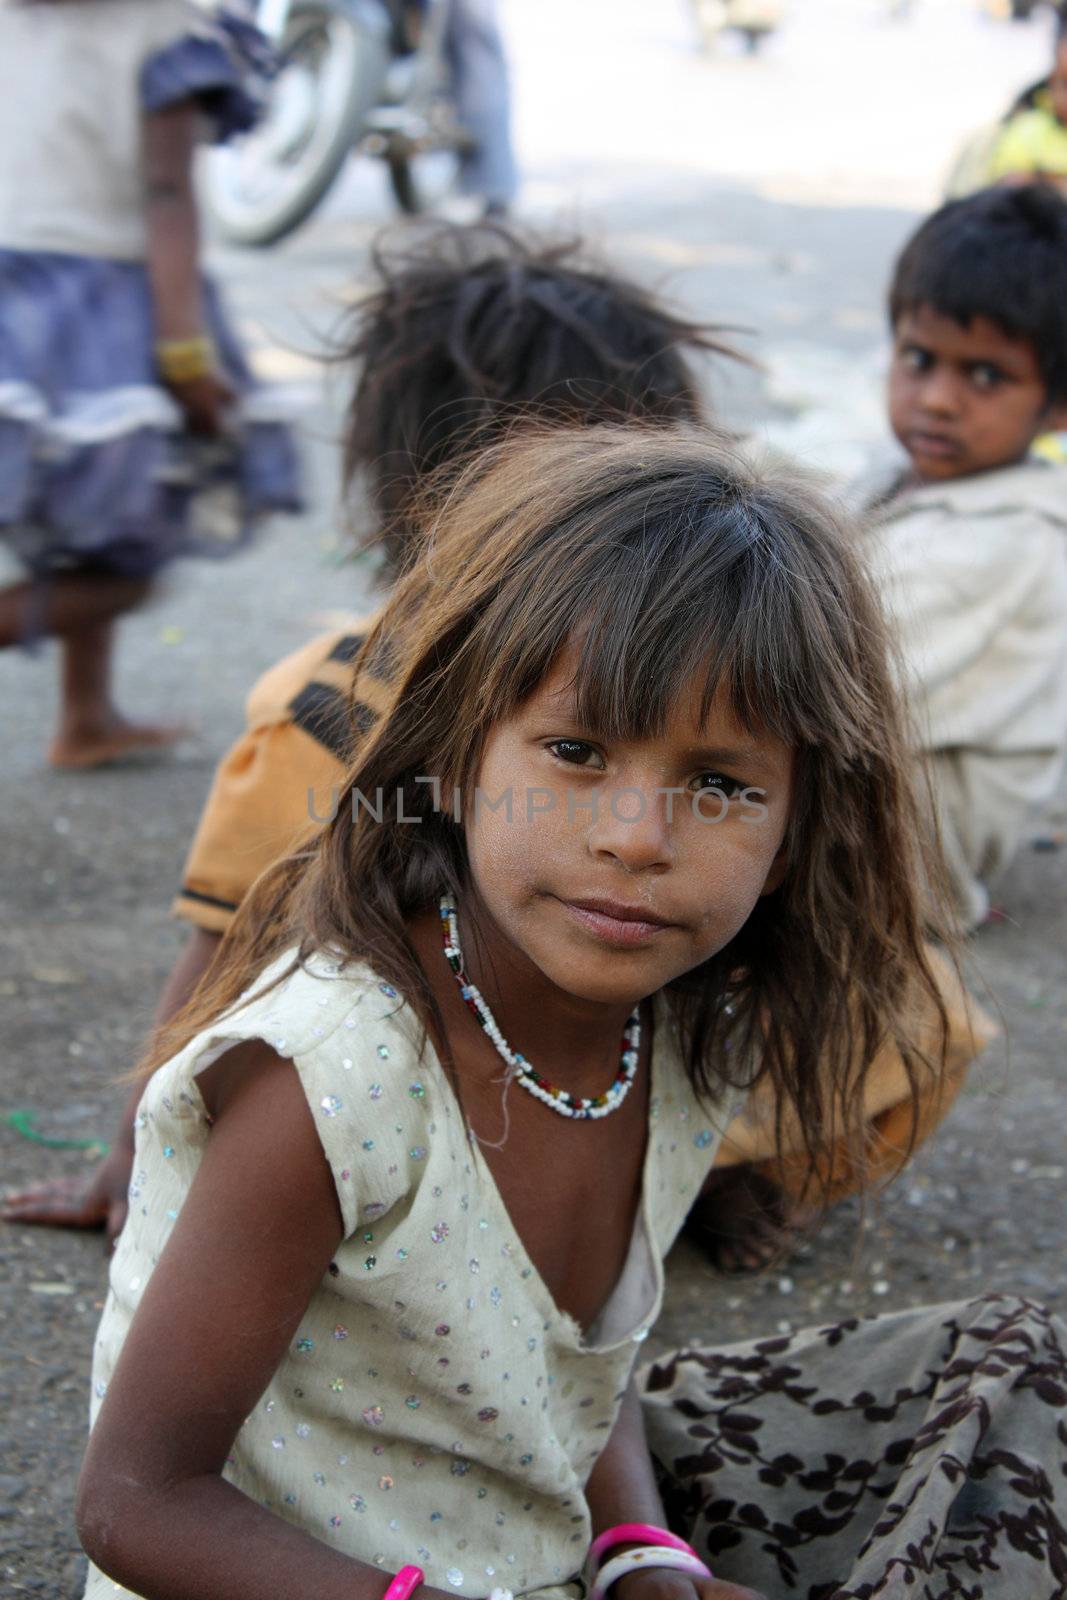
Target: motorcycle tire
(318, 143)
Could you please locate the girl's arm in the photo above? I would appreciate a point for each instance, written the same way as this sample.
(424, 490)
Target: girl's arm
(622, 1488)
(253, 1239)
(172, 223)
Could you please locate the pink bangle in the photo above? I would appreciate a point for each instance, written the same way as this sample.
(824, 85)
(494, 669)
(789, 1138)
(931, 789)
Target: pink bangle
(405, 1583)
(634, 1533)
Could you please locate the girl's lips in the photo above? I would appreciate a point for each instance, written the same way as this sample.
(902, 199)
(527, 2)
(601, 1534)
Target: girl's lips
(620, 931)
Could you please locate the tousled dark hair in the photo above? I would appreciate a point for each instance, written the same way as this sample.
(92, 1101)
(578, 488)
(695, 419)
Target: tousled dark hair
(1001, 254)
(470, 329)
(669, 563)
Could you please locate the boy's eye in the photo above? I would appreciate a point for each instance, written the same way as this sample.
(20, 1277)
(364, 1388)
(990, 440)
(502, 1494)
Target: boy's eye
(576, 752)
(915, 359)
(984, 375)
(730, 787)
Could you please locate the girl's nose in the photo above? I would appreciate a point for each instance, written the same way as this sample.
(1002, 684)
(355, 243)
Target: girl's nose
(634, 826)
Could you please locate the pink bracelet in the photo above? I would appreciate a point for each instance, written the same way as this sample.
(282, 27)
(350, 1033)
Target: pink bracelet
(405, 1583)
(634, 1533)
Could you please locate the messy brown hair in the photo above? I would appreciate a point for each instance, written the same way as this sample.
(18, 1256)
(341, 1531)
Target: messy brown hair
(467, 329)
(668, 561)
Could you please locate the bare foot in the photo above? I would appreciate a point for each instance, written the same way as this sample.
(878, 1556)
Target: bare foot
(113, 740)
(744, 1223)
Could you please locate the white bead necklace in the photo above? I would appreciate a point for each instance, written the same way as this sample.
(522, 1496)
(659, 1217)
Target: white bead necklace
(560, 1100)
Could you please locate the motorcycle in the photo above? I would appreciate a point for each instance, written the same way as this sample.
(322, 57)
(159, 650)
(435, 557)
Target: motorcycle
(352, 75)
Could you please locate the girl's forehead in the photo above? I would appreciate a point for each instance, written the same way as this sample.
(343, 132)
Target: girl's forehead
(688, 721)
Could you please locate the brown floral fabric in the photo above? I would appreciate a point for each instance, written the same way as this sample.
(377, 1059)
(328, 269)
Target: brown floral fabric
(918, 1455)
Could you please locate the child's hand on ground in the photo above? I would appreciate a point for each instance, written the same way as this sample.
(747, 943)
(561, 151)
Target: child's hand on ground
(205, 401)
(743, 1222)
(660, 1583)
(98, 1200)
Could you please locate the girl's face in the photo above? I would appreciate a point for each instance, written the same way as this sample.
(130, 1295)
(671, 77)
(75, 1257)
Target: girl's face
(615, 866)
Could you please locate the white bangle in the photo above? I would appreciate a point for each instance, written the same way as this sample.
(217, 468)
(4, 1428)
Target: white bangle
(645, 1559)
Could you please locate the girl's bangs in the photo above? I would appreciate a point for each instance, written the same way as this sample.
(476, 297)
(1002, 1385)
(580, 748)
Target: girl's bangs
(681, 602)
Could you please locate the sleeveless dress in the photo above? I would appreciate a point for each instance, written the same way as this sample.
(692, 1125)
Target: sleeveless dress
(435, 1404)
(919, 1453)
(97, 468)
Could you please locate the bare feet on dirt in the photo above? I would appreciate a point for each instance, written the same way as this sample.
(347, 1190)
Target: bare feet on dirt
(115, 740)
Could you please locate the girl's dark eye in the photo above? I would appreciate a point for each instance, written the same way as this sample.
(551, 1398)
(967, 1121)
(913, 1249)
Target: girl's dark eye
(730, 787)
(576, 752)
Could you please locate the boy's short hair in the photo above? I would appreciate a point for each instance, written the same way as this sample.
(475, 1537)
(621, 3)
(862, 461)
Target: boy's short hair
(469, 330)
(999, 254)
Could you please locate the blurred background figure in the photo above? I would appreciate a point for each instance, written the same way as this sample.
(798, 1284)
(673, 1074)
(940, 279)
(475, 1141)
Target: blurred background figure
(1029, 141)
(131, 430)
(751, 20)
(475, 53)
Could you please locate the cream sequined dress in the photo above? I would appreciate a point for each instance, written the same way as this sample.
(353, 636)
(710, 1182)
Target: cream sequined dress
(434, 1405)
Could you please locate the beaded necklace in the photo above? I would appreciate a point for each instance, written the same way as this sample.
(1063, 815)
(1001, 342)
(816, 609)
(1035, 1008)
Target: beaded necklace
(568, 1105)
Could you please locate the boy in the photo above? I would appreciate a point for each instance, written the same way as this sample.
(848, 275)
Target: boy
(970, 545)
(972, 537)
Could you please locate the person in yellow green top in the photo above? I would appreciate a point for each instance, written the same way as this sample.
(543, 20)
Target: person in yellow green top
(1033, 140)
(1027, 143)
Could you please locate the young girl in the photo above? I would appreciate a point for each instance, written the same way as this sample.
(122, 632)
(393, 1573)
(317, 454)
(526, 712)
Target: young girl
(130, 430)
(636, 806)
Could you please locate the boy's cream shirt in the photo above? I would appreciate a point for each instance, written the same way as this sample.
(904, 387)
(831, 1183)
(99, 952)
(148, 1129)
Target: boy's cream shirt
(974, 575)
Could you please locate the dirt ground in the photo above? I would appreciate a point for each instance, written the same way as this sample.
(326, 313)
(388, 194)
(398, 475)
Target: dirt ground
(90, 862)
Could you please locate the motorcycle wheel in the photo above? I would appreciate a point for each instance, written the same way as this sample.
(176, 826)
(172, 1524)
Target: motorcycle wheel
(262, 187)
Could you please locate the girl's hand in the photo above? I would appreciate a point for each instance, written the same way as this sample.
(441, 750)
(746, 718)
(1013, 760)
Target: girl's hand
(205, 401)
(663, 1584)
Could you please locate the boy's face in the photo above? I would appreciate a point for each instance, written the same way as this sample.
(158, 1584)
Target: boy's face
(1057, 84)
(964, 399)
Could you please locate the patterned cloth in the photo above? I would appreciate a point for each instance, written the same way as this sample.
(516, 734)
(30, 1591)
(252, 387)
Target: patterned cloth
(920, 1454)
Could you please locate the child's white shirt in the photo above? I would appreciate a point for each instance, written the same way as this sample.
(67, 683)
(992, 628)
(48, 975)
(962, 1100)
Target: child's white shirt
(435, 1405)
(974, 575)
(71, 120)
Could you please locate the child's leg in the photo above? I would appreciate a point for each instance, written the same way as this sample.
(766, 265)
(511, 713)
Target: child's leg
(80, 609)
(66, 603)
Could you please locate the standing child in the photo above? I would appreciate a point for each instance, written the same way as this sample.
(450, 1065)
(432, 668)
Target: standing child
(971, 543)
(601, 841)
(130, 429)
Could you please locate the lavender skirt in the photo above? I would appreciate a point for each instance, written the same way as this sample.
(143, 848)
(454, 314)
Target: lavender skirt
(97, 469)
